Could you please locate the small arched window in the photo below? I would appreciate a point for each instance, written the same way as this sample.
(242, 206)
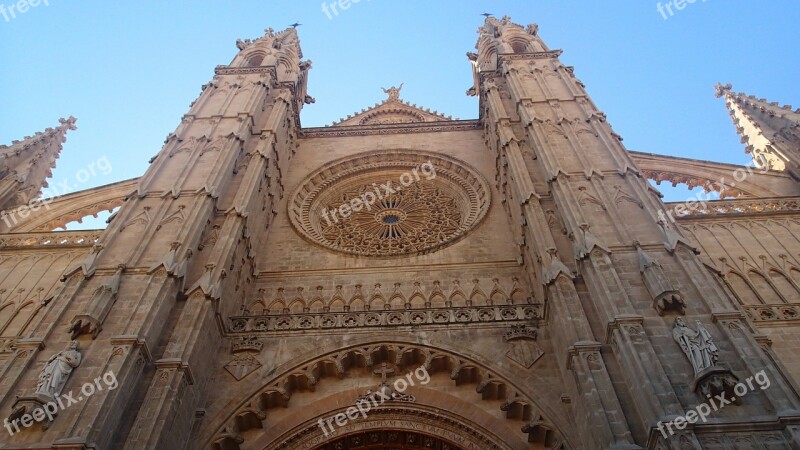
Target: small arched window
(255, 59)
(519, 47)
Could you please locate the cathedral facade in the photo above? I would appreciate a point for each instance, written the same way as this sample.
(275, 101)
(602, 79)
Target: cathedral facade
(404, 280)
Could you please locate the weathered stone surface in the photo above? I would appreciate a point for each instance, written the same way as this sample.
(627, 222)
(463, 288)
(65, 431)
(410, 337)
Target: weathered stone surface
(525, 299)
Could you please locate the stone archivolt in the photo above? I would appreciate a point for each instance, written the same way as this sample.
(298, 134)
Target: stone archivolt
(254, 411)
(430, 212)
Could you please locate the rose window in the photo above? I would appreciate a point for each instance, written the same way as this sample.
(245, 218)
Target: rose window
(389, 203)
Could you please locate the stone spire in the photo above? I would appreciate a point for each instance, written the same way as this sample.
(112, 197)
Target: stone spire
(771, 131)
(26, 164)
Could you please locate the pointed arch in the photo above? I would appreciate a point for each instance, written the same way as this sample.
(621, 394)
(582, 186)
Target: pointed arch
(438, 300)
(337, 304)
(19, 320)
(297, 306)
(742, 289)
(277, 306)
(270, 417)
(784, 286)
(794, 273)
(417, 300)
(6, 313)
(257, 307)
(317, 305)
(764, 288)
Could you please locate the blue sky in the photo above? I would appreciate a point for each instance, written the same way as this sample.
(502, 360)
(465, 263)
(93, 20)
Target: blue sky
(129, 70)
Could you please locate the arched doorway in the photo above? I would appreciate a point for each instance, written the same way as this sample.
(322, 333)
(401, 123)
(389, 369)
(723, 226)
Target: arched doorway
(465, 405)
(400, 427)
(394, 439)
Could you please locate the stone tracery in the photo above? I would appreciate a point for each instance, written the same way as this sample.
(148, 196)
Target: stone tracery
(411, 218)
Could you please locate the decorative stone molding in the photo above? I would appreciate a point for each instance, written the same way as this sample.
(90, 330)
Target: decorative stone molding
(277, 392)
(8, 345)
(786, 313)
(436, 430)
(665, 295)
(395, 128)
(392, 110)
(225, 70)
(756, 207)
(708, 184)
(357, 298)
(520, 332)
(715, 381)
(530, 55)
(737, 438)
(95, 312)
(387, 318)
(430, 212)
(59, 239)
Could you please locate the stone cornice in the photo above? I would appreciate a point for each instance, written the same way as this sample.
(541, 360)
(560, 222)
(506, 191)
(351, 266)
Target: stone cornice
(225, 70)
(531, 55)
(53, 239)
(380, 319)
(757, 208)
(400, 128)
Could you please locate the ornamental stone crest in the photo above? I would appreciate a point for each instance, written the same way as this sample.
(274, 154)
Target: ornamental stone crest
(245, 352)
(523, 348)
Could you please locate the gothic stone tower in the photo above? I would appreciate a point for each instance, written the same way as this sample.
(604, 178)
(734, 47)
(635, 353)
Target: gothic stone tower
(405, 280)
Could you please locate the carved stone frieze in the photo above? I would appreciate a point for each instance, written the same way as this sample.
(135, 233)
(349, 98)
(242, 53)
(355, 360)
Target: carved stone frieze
(50, 239)
(384, 360)
(395, 128)
(385, 318)
(740, 207)
(777, 314)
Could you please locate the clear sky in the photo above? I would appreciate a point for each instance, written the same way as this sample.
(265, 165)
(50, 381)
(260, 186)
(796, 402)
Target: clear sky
(129, 70)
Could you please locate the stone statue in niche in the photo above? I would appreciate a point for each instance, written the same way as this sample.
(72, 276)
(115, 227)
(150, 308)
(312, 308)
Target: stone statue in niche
(55, 373)
(709, 378)
(698, 345)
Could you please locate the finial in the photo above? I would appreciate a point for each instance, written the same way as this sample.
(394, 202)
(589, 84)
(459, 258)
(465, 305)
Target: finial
(393, 92)
(722, 89)
(68, 123)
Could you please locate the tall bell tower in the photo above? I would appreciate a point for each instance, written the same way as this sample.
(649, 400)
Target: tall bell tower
(175, 256)
(615, 274)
